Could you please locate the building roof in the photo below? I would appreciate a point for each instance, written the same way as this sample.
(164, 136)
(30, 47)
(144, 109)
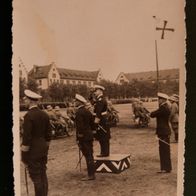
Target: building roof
(151, 75)
(39, 72)
(77, 74)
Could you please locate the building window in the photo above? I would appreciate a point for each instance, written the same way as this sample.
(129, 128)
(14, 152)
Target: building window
(68, 82)
(79, 82)
(62, 81)
(89, 83)
(40, 82)
(54, 75)
(122, 81)
(73, 82)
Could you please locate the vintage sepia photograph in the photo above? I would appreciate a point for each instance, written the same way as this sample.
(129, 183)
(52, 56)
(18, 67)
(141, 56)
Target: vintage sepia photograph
(98, 97)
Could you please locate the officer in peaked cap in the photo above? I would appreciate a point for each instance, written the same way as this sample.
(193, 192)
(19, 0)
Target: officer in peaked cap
(163, 132)
(103, 128)
(84, 134)
(35, 143)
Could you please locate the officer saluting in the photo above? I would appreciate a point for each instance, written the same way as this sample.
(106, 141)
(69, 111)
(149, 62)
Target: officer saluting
(84, 134)
(103, 129)
(163, 132)
(35, 143)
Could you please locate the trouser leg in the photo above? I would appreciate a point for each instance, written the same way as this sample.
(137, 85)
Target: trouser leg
(101, 147)
(90, 166)
(37, 172)
(105, 147)
(45, 182)
(164, 151)
(87, 150)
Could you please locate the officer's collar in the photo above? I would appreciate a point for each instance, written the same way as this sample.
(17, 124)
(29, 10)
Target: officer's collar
(33, 106)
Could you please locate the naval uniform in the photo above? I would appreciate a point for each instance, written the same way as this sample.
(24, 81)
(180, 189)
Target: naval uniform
(35, 145)
(84, 135)
(163, 132)
(103, 128)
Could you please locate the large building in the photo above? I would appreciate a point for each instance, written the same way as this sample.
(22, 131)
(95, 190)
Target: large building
(49, 74)
(164, 75)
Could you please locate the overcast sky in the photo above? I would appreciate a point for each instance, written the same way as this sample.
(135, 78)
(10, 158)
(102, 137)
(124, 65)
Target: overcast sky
(113, 35)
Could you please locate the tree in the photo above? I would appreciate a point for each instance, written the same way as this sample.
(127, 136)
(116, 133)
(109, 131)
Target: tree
(32, 85)
(55, 91)
(22, 87)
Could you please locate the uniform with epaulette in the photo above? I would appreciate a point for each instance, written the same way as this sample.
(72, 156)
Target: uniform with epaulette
(35, 143)
(84, 134)
(103, 128)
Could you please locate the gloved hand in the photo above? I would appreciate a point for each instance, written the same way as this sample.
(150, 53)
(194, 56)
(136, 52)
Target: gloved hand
(25, 157)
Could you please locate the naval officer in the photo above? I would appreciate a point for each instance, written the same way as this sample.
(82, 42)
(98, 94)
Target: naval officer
(162, 114)
(103, 128)
(35, 143)
(84, 134)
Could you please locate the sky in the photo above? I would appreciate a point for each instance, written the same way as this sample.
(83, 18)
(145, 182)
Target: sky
(112, 35)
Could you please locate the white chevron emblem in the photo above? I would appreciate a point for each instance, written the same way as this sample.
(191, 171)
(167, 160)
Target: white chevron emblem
(117, 165)
(129, 159)
(103, 166)
(124, 166)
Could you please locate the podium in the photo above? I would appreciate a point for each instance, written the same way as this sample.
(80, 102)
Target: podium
(115, 163)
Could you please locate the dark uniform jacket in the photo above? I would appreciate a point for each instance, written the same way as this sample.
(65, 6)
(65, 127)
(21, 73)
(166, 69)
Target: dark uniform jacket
(100, 109)
(84, 124)
(162, 114)
(36, 133)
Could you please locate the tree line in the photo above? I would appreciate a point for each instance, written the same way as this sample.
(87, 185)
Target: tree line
(66, 92)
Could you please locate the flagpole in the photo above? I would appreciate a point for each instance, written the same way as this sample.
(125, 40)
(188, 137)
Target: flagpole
(162, 29)
(157, 65)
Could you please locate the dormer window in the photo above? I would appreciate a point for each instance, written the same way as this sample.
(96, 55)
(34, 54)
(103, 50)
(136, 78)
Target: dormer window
(54, 75)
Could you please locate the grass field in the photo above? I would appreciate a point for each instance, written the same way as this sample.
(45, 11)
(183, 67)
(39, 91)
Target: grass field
(140, 179)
